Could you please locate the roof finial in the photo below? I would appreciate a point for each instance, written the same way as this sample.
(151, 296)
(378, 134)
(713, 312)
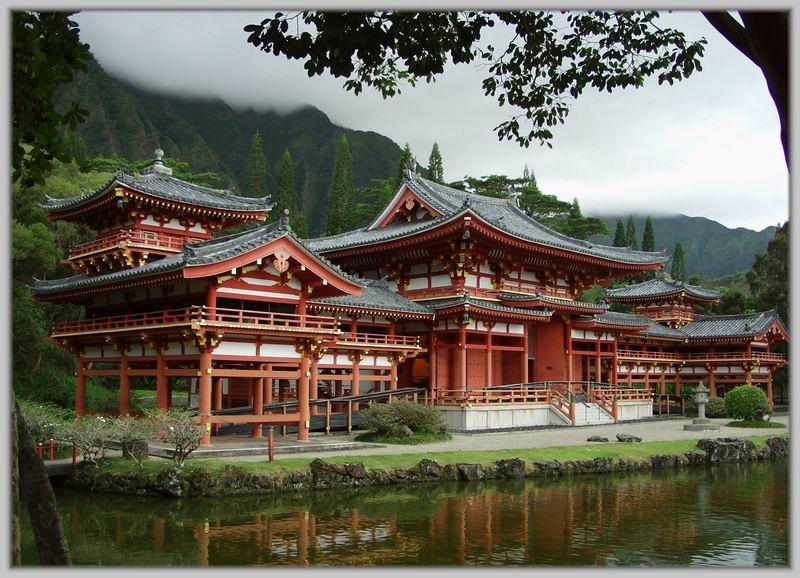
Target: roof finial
(157, 166)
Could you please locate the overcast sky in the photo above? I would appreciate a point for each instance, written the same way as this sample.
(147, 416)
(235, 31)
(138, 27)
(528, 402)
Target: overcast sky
(708, 146)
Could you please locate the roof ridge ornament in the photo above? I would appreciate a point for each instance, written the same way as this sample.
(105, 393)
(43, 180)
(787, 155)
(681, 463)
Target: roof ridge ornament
(157, 167)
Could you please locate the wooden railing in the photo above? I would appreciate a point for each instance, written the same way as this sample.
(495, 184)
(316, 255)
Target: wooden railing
(491, 396)
(561, 404)
(376, 339)
(202, 316)
(267, 319)
(725, 355)
(128, 238)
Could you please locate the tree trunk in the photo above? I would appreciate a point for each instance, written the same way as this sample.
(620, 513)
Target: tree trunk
(15, 554)
(764, 39)
(37, 493)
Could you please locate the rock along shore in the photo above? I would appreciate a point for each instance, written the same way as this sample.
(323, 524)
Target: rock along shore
(320, 475)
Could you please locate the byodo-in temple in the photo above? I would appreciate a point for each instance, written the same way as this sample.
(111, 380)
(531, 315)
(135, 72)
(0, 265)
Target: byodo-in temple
(463, 300)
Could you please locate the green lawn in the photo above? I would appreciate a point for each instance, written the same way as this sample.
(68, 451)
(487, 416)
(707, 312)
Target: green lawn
(561, 453)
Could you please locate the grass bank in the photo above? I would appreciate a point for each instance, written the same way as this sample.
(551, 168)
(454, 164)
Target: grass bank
(756, 424)
(415, 438)
(485, 457)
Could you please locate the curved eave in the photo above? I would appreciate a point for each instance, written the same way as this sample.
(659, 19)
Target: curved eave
(369, 310)
(566, 307)
(108, 195)
(621, 327)
(468, 218)
(155, 278)
(650, 298)
(479, 310)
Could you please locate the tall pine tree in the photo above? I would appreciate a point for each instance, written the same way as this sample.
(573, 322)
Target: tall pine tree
(342, 196)
(620, 238)
(630, 233)
(286, 197)
(435, 165)
(648, 237)
(678, 271)
(255, 170)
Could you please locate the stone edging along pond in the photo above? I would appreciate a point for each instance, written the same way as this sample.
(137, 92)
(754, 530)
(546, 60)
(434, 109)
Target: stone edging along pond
(320, 475)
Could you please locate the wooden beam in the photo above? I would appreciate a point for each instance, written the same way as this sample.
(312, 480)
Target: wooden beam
(276, 418)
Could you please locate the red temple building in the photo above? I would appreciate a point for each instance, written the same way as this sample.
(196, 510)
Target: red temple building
(446, 290)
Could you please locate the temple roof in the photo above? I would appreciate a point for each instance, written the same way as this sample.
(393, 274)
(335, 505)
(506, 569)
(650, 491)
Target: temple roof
(660, 288)
(168, 188)
(557, 301)
(468, 300)
(500, 213)
(741, 325)
(716, 326)
(194, 254)
(376, 295)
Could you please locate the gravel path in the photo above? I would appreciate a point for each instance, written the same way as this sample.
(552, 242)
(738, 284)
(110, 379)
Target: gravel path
(650, 431)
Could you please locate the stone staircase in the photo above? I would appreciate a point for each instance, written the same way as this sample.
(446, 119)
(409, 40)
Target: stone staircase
(591, 414)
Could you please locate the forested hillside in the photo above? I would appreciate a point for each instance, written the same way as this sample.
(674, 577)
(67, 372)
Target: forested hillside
(131, 123)
(711, 249)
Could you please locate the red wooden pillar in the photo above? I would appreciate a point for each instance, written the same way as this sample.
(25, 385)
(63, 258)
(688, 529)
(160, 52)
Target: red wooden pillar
(525, 329)
(712, 379)
(630, 375)
(462, 357)
(677, 380)
(614, 361)
(433, 360)
(204, 393)
(489, 355)
(568, 345)
(258, 403)
(216, 388)
(313, 393)
(302, 397)
(162, 389)
(124, 386)
(662, 389)
(355, 384)
(80, 388)
(598, 367)
(393, 358)
(769, 385)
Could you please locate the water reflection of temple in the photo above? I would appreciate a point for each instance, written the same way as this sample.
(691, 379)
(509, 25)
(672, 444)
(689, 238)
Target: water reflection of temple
(663, 517)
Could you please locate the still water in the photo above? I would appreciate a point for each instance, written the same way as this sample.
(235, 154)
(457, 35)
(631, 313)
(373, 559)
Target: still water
(731, 515)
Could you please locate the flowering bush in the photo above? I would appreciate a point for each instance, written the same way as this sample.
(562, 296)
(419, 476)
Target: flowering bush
(91, 435)
(43, 419)
(132, 435)
(402, 419)
(177, 427)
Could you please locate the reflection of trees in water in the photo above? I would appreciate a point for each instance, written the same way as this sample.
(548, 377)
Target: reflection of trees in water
(671, 517)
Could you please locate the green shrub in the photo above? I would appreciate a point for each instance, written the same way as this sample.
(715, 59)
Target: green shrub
(402, 418)
(716, 407)
(179, 428)
(745, 401)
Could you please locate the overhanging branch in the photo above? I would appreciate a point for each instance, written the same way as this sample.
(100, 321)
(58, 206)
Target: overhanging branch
(733, 32)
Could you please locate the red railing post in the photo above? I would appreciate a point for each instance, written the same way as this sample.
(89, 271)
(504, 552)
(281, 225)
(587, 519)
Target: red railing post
(52, 448)
(40, 450)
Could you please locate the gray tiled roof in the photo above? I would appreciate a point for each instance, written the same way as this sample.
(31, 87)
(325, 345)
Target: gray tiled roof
(168, 188)
(436, 304)
(731, 325)
(552, 300)
(500, 213)
(376, 295)
(658, 287)
(203, 253)
(613, 317)
(52, 286)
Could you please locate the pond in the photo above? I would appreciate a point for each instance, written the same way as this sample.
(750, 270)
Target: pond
(729, 515)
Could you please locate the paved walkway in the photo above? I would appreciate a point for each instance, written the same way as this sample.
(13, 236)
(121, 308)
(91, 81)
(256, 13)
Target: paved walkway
(650, 431)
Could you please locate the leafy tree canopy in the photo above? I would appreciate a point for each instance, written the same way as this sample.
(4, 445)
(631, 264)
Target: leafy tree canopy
(549, 62)
(769, 278)
(678, 270)
(255, 170)
(180, 169)
(435, 165)
(620, 237)
(46, 51)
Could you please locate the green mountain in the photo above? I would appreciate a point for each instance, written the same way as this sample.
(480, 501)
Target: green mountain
(212, 136)
(712, 249)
